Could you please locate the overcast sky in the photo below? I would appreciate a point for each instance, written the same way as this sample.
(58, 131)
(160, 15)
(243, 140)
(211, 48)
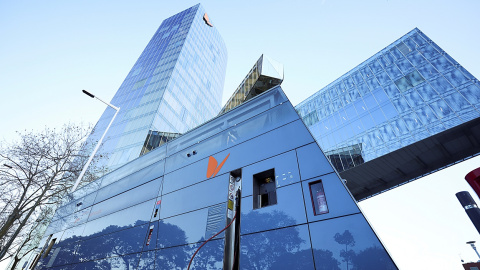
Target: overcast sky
(51, 50)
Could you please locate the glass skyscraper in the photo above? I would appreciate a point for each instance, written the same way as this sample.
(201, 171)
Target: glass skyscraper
(175, 85)
(409, 91)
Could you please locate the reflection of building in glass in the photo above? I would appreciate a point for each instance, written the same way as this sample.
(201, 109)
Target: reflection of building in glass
(410, 104)
(288, 206)
(265, 74)
(175, 85)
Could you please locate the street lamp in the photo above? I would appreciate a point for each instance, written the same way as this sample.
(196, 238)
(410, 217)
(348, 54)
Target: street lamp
(472, 244)
(117, 109)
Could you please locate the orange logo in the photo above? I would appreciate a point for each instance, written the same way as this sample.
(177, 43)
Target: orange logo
(212, 168)
(207, 20)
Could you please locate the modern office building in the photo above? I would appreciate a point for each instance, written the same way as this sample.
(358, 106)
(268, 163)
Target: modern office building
(175, 85)
(407, 111)
(255, 170)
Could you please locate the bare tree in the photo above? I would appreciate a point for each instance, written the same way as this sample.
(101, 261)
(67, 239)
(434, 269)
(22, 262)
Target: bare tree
(36, 171)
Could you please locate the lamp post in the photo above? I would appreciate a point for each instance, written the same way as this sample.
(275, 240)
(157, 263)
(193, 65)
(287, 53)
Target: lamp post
(472, 244)
(117, 109)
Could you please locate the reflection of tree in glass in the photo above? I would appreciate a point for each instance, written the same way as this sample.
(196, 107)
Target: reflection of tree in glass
(324, 260)
(171, 258)
(346, 238)
(276, 249)
(373, 258)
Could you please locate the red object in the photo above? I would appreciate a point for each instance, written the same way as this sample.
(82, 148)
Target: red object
(473, 178)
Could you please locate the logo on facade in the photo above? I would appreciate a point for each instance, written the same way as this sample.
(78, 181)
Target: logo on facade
(207, 20)
(212, 168)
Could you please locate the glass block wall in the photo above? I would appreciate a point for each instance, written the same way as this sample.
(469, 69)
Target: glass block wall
(175, 85)
(408, 91)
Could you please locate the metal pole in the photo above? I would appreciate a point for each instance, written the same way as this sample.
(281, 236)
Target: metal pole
(98, 143)
(472, 244)
(470, 207)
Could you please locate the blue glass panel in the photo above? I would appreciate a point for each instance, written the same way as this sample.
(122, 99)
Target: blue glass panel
(377, 116)
(248, 110)
(387, 132)
(442, 64)
(147, 261)
(429, 52)
(456, 78)
(427, 92)
(124, 200)
(389, 110)
(416, 58)
(413, 98)
(392, 90)
(398, 55)
(401, 104)
(287, 248)
(441, 85)
(262, 123)
(426, 115)
(375, 66)
(338, 198)
(457, 102)
(380, 95)
(286, 171)
(393, 72)
(372, 82)
(195, 197)
(441, 108)
(180, 230)
(471, 94)
(209, 257)
(410, 43)
(383, 78)
(404, 65)
(130, 181)
(113, 244)
(288, 211)
(399, 126)
(370, 101)
(428, 71)
(412, 121)
(312, 162)
(348, 243)
(130, 217)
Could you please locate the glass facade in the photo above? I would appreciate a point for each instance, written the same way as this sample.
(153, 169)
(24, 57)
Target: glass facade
(175, 85)
(154, 212)
(407, 92)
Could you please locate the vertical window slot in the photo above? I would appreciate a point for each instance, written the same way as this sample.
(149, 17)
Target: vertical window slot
(319, 200)
(264, 189)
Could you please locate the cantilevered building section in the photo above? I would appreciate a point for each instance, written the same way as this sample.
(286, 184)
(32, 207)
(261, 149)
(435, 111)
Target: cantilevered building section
(175, 85)
(265, 74)
(256, 167)
(407, 111)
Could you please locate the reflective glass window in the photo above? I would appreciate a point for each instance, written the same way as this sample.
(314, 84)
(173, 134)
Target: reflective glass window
(380, 95)
(457, 102)
(389, 110)
(427, 71)
(400, 104)
(404, 65)
(441, 108)
(391, 90)
(412, 121)
(393, 72)
(429, 52)
(427, 92)
(378, 116)
(426, 114)
(413, 98)
(387, 132)
(456, 78)
(403, 48)
(471, 93)
(441, 84)
(410, 43)
(360, 106)
(370, 101)
(416, 58)
(375, 66)
(418, 39)
(400, 126)
(383, 78)
(398, 55)
(358, 78)
(442, 64)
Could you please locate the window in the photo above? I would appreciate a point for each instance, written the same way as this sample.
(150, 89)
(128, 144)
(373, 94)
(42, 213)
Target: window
(264, 189)
(319, 201)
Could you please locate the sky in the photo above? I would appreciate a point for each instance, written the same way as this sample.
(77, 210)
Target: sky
(51, 50)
